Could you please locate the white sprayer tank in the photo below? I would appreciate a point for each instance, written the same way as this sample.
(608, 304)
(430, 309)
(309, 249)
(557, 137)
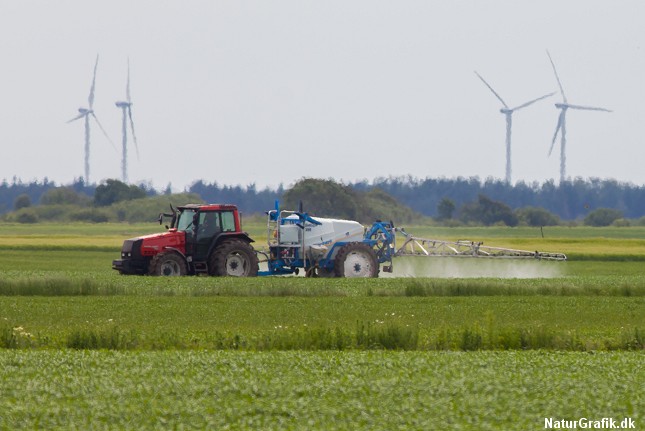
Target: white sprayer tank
(318, 239)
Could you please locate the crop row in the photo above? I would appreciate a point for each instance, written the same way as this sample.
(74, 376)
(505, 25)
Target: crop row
(366, 336)
(38, 283)
(322, 323)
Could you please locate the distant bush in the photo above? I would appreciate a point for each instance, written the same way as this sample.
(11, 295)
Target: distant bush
(27, 217)
(533, 216)
(621, 222)
(54, 212)
(63, 196)
(602, 217)
(90, 215)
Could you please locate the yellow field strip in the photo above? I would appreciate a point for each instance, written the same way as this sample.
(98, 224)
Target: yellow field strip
(62, 240)
(112, 235)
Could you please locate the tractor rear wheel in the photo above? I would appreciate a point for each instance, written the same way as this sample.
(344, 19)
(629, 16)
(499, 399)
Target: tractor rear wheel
(234, 258)
(356, 260)
(167, 264)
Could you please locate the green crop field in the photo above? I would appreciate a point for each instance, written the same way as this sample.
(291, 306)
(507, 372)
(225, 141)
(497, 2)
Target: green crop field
(66, 389)
(442, 343)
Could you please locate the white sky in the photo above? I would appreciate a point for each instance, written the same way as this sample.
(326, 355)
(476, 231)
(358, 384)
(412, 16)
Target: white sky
(267, 92)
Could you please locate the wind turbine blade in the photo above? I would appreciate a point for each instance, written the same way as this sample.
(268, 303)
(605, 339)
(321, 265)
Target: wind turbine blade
(557, 129)
(90, 98)
(557, 78)
(127, 87)
(78, 117)
(532, 101)
(134, 136)
(103, 130)
(589, 108)
(491, 89)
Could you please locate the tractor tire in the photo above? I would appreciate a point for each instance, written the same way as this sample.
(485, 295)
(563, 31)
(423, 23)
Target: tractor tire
(356, 260)
(234, 258)
(167, 264)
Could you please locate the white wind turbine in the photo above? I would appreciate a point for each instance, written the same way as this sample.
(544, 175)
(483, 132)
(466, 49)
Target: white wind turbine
(126, 108)
(562, 124)
(508, 112)
(86, 113)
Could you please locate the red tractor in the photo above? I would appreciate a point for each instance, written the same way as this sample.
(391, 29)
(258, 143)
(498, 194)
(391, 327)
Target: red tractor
(201, 239)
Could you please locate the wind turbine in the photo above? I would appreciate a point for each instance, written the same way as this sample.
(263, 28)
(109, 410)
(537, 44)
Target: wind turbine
(126, 108)
(86, 113)
(562, 124)
(508, 112)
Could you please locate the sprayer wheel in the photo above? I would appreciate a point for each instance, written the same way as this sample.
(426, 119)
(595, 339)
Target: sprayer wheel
(356, 260)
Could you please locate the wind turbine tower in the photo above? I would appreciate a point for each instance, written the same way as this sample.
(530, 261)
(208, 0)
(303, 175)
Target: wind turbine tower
(508, 112)
(86, 113)
(126, 108)
(561, 127)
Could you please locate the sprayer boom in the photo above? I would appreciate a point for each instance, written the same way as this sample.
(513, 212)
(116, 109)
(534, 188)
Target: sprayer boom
(415, 246)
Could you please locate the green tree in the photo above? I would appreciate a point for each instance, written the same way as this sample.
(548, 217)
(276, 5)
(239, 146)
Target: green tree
(488, 212)
(22, 201)
(379, 205)
(324, 198)
(112, 191)
(445, 209)
(327, 198)
(168, 190)
(534, 216)
(602, 217)
(62, 196)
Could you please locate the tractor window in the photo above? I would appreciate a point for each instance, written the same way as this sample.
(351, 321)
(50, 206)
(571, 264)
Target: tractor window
(185, 221)
(228, 221)
(209, 224)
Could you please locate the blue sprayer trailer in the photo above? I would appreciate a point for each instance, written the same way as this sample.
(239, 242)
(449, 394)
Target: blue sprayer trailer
(326, 247)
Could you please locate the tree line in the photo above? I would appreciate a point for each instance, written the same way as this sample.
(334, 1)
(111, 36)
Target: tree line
(439, 198)
(569, 200)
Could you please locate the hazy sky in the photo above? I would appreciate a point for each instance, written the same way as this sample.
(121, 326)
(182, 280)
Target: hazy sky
(267, 92)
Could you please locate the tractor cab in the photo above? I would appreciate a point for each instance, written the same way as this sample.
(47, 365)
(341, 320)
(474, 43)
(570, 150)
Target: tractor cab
(202, 224)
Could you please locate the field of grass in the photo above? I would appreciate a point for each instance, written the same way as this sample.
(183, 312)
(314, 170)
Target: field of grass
(445, 343)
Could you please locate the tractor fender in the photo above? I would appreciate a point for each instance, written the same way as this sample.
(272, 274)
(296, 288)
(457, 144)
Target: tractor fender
(229, 235)
(176, 250)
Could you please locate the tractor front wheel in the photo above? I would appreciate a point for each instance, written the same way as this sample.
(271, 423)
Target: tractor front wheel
(167, 264)
(235, 258)
(356, 260)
